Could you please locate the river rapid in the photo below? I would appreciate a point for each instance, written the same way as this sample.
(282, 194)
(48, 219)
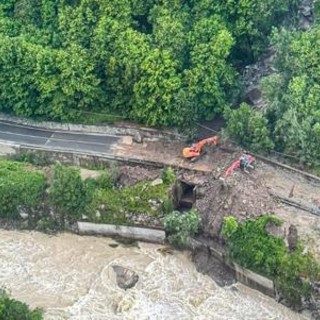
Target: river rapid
(71, 277)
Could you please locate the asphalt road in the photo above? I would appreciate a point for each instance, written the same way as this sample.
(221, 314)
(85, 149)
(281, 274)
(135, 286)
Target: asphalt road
(62, 140)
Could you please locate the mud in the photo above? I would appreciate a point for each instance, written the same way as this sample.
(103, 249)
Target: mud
(241, 195)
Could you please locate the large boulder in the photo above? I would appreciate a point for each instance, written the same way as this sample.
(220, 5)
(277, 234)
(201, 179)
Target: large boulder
(126, 278)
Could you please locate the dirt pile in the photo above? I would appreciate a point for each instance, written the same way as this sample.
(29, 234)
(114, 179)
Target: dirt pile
(241, 195)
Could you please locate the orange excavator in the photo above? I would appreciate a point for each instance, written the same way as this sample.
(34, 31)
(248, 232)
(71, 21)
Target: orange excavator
(246, 161)
(196, 150)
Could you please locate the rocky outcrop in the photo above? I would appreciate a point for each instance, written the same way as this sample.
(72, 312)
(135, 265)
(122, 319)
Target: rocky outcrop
(126, 278)
(306, 15)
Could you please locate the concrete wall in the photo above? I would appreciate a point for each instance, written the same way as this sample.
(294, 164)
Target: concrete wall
(75, 158)
(143, 234)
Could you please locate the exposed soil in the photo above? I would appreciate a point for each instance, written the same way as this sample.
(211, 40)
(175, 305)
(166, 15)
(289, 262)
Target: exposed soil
(241, 195)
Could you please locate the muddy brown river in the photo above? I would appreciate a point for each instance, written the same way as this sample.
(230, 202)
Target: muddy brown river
(71, 277)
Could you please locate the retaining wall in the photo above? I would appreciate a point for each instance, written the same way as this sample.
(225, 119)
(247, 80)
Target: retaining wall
(143, 234)
(244, 276)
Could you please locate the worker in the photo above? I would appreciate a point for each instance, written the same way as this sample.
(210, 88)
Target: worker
(244, 161)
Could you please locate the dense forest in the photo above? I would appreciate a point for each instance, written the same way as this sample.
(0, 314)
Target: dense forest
(163, 63)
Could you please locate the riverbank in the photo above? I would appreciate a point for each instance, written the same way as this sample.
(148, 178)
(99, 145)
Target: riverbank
(72, 277)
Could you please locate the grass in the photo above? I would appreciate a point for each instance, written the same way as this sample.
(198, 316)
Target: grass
(114, 204)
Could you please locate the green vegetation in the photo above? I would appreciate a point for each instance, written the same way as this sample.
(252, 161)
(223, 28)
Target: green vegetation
(160, 62)
(69, 195)
(141, 198)
(181, 226)
(25, 188)
(294, 95)
(292, 119)
(20, 187)
(251, 246)
(249, 128)
(11, 309)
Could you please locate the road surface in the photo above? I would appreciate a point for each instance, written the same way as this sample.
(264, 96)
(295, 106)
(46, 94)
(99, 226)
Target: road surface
(62, 140)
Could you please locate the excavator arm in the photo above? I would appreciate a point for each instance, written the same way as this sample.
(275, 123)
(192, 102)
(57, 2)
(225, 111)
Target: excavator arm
(196, 150)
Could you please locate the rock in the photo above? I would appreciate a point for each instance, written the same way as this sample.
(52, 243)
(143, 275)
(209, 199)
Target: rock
(156, 182)
(84, 217)
(126, 278)
(23, 214)
(304, 24)
(138, 138)
(306, 11)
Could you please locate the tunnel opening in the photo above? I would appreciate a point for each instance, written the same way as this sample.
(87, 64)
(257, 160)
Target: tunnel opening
(187, 198)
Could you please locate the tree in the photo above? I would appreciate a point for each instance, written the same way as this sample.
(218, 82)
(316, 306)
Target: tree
(293, 94)
(156, 92)
(209, 76)
(69, 195)
(249, 128)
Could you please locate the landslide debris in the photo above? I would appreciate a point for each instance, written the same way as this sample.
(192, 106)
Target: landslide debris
(241, 195)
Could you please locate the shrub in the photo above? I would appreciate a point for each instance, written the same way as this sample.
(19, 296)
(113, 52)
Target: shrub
(168, 175)
(69, 195)
(252, 247)
(181, 226)
(19, 187)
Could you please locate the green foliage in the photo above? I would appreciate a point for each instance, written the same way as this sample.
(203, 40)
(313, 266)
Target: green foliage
(230, 226)
(114, 204)
(249, 128)
(168, 175)
(160, 62)
(11, 309)
(181, 226)
(20, 186)
(252, 247)
(294, 94)
(295, 274)
(69, 195)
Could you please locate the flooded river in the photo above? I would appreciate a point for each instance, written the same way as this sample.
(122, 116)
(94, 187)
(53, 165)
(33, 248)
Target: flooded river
(71, 277)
